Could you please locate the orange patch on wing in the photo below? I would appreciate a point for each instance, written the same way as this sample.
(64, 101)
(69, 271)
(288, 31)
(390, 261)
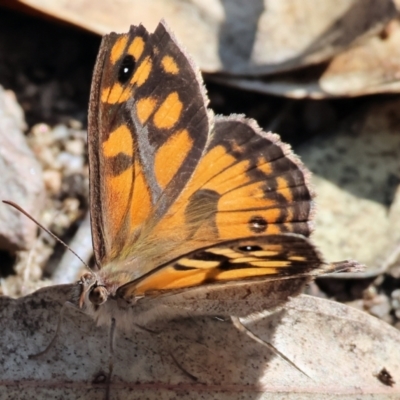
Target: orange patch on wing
(241, 260)
(275, 248)
(169, 65)
(238, 274)
(119, 141)
(235, 176)
(274, 229)
(236, 147)
(297, 258)
(168, 278)
(136, 47)
(229, 178)
(117, 189)
(118, 48)
(144, 108)
(141, 199)
(115, 94)
(265, 167)
(289, 227)
(216, 160)
(244, 198)
(170, 156)
(271, 264)
(142, 72)
(264, 253)
(199, 264)
(289, 213)
(169, 112)
(282, 188)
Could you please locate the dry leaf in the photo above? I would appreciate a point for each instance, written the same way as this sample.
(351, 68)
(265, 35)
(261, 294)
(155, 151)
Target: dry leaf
(369, 67)
(340, 351)
(238, 37)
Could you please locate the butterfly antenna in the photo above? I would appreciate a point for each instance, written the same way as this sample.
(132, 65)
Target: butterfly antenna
(17, 207)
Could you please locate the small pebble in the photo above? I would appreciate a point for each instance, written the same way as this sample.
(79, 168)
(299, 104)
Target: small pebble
(396, 299)
(75, 147)
(71, 208)
(60, 132)
(61, 221)
(75, 124)
(71, 204)
(369, 293)
(46, 156)
(52, 180)
(395, 272)
(70, 163)
(41, 130)
(380, 306)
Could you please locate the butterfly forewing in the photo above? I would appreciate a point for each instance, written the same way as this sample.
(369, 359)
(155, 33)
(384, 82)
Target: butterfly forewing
(147, 129)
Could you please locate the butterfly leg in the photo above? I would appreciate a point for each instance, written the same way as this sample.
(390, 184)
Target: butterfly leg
(142, 329)
(238, 325)
(66, 305)
(187, 373)
(110, 357)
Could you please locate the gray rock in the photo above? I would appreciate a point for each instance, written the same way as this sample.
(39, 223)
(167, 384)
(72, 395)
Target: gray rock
(20, 178)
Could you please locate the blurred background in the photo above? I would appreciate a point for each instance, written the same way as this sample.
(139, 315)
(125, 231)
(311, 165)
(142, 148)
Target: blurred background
(324, 75)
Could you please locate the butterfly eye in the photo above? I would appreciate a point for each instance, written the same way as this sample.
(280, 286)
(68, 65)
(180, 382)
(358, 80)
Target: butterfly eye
(249, 248)
(126, 69)
(98, 295)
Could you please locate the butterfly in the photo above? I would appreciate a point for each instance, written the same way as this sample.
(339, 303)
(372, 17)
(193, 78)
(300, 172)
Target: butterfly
(192, 213)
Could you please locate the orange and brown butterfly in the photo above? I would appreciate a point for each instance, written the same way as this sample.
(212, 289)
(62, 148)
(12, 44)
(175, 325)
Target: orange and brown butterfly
(190, 211)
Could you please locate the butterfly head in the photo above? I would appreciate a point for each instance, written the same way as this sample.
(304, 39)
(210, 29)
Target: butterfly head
(99, 298)
(93, 291)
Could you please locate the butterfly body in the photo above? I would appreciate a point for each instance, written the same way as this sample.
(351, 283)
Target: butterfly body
(191, 214)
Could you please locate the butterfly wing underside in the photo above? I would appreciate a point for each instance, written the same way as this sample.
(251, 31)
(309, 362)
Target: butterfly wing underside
(269, 258)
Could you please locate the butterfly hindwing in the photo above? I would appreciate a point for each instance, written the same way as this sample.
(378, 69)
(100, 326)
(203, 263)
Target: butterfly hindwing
(265, 258)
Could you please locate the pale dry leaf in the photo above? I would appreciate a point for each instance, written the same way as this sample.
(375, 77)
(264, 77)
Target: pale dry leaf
(238, 37)
(339, 349)
(370, 67)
